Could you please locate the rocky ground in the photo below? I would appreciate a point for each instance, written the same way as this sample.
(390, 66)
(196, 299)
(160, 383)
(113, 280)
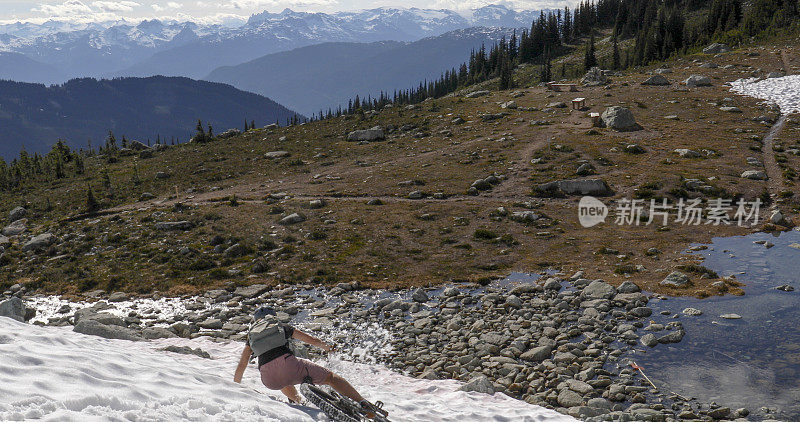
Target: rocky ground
(566, 344)
(463, 188)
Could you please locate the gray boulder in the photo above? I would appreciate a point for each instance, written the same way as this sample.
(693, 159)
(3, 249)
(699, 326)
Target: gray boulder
(293, 218)
(649, 340)
(137, 146)
(656, 80)
(754, 175)
(569, 398)
(599, 290)
(39, 242)
(594, 77)
(620, 119)
(537, 354)
(687, 153)
(420, 296)
(95, 328)
(676, 279)
(368, 135)
(595, 187)
(524, 216)
(476, 94)
(186, 350)
(16, 214)
(480, 384)
(230, 133)
(697, 80)
(15, 228)
(276, 154)
(628, 287)
(173, 225)
(251, 291)
(4, 241)
(157, 332)
(716, 48)
(13, 308)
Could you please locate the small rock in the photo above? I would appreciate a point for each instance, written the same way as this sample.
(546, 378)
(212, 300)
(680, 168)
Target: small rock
(480, 384)
(656, 80)
(754, 175)
(17, 214)
(276, 154)
(698, 80)
(293, 218)
(676, 279)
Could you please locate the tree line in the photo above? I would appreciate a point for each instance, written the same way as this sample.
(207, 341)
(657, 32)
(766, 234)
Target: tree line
(657, 30)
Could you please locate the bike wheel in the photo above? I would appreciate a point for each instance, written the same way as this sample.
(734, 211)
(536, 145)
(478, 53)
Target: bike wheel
(332, 404)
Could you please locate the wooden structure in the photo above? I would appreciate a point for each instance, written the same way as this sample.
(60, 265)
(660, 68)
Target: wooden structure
(562, 87)
(595, 119)
(579, 103)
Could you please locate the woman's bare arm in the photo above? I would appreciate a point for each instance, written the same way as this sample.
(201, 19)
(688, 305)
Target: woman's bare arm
(246, 353)
(305, 338)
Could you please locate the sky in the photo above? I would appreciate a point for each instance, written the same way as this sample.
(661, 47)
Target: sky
(216, 11)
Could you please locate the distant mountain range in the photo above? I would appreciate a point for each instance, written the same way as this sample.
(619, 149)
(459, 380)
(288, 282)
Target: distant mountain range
(191, 49)
(316, 77)
(34, 117)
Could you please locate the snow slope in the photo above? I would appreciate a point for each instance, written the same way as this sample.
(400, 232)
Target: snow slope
(785, 91)
(51, 373)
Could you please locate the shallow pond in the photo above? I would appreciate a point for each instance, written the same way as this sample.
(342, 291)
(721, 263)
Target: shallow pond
(751, 362)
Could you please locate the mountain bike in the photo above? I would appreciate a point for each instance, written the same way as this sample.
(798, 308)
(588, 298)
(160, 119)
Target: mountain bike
(340, 408)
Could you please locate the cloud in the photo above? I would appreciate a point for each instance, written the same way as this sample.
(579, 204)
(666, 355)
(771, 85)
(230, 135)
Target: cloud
(116, 6)
(463, 5)
(252, 4)
(68, 8)
(169, 5)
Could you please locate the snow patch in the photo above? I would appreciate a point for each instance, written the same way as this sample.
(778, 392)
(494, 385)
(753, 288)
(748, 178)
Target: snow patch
(785, 91)
(56, 374)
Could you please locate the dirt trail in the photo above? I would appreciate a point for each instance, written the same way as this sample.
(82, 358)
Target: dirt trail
(770, 165)
(787, 68)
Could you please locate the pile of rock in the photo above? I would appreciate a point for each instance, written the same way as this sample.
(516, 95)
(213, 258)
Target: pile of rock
(595, 77)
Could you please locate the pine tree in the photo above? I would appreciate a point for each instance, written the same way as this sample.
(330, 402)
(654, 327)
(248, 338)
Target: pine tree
(91, 202)
(506, 74)
(590, 60)
(106, 179)
(615, 64)
(135, 178)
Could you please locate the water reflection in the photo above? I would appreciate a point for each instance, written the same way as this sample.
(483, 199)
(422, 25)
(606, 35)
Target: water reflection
(749, 362)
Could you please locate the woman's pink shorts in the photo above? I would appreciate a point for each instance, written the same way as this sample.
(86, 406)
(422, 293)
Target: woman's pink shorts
(287, 370)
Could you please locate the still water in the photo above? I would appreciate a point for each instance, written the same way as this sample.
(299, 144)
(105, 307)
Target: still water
(751, 362)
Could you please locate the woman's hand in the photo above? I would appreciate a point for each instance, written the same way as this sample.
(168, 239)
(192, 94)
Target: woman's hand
(325, 346)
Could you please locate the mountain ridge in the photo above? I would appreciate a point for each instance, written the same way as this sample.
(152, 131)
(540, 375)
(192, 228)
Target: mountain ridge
(35, 116)
(327, 75)
(175, 48)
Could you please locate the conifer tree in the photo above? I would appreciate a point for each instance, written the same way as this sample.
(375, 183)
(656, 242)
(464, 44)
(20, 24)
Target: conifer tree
(590, 60)
(91, 202)
(135, 178)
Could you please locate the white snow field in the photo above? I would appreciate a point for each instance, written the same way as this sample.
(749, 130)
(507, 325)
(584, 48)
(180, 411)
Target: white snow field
(54, 374)
(785, 91)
